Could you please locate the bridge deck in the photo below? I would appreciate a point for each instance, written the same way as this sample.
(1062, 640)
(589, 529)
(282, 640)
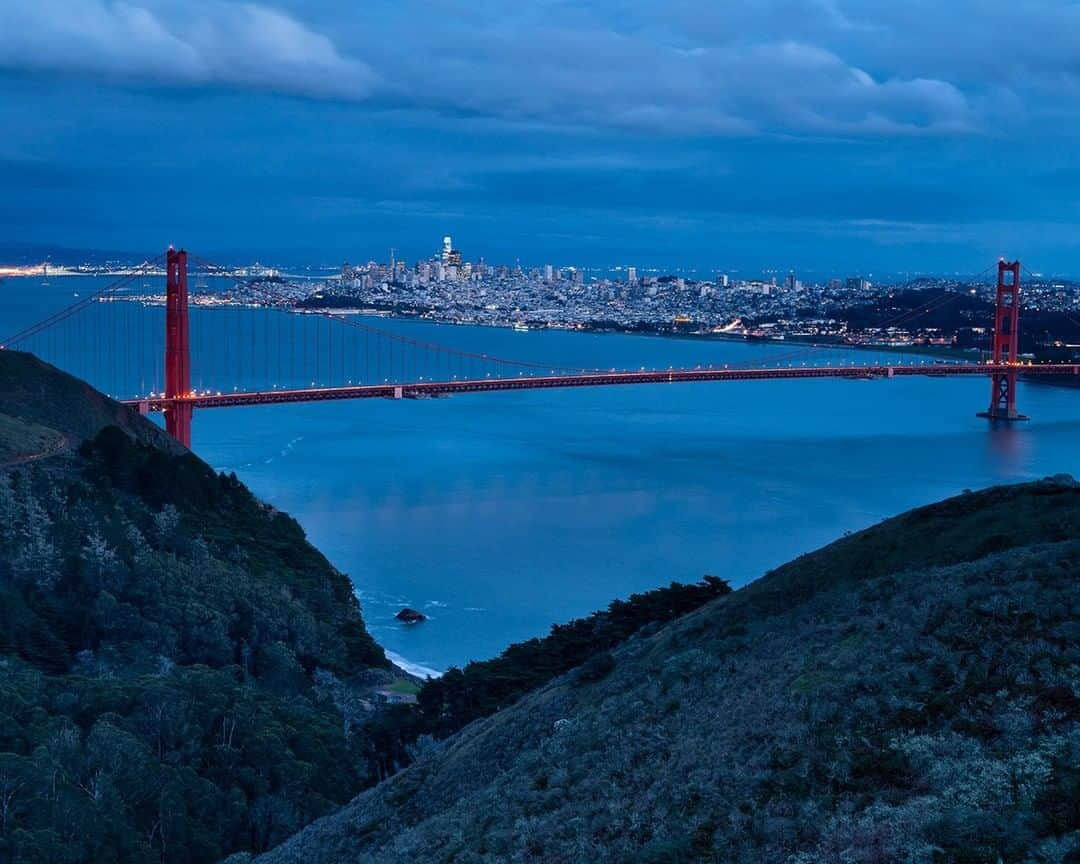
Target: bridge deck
(421, 389)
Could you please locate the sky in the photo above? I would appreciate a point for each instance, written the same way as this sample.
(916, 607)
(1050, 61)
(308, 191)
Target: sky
(818, 135)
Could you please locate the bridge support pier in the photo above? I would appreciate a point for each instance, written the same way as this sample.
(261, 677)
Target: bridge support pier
(1006, 345)
(1003, 398)
(177, 348)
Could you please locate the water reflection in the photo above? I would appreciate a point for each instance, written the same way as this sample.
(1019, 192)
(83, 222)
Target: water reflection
(1010, 446)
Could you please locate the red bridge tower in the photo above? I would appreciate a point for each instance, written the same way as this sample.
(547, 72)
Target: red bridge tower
(177, 348)
(1006, 346)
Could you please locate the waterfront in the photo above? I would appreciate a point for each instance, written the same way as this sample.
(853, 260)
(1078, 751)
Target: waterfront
(500, 514)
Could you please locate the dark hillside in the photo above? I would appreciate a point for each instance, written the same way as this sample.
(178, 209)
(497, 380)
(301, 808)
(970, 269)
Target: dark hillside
(182, 675)
(21, 441)
(907, 694)
(965, 528)
(963, 317)
(34, 392)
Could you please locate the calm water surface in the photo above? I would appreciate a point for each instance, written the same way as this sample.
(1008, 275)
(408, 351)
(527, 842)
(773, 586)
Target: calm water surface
(500, 514)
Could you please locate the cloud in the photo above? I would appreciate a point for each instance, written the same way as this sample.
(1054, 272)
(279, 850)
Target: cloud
(809, 68)
(591, 76)
(195, 43)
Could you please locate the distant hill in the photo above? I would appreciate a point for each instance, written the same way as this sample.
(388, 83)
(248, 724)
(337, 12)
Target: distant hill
(182, 675)
(962, 315)
(906, 694)
(35, 253)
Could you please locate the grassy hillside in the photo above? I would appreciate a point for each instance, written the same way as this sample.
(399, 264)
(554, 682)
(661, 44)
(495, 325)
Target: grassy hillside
(32, 391)
(182, 675)
(906, 694)
(22, 441)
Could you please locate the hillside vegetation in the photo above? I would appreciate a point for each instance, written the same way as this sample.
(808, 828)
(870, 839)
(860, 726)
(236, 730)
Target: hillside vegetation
(177, 663)
(449, 703)
(907, 694)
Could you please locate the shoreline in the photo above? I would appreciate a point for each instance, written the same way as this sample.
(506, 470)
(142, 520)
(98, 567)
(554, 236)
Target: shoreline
(941, 352)
(417, 670)
(656, 333)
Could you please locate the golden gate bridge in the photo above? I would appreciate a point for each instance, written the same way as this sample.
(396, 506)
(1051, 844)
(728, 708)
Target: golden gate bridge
(327, 356)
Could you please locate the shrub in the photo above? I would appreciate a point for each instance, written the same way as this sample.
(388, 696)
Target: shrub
(596, 668)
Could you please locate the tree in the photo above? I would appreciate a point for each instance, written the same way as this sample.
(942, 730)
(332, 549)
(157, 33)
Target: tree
(37, 562)
(166, 523)
(13, 784)
(9, 511)
(100, 559)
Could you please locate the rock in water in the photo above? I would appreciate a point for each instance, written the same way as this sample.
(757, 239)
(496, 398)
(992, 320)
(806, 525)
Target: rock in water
(410, 616)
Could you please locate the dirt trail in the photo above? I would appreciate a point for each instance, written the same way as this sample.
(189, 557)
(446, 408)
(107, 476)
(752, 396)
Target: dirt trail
(62, 444)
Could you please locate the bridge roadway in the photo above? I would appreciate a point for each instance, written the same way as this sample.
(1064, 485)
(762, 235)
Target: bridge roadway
(423, 389)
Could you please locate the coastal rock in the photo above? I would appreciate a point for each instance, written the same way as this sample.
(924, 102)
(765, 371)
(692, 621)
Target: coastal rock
(410, 616)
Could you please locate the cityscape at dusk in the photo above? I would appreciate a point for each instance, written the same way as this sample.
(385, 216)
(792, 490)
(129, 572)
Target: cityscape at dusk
(443, 432)
(452, 286)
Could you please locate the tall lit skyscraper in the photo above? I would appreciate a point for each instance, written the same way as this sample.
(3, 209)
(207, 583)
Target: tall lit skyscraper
(447, 248)
(631, 274)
